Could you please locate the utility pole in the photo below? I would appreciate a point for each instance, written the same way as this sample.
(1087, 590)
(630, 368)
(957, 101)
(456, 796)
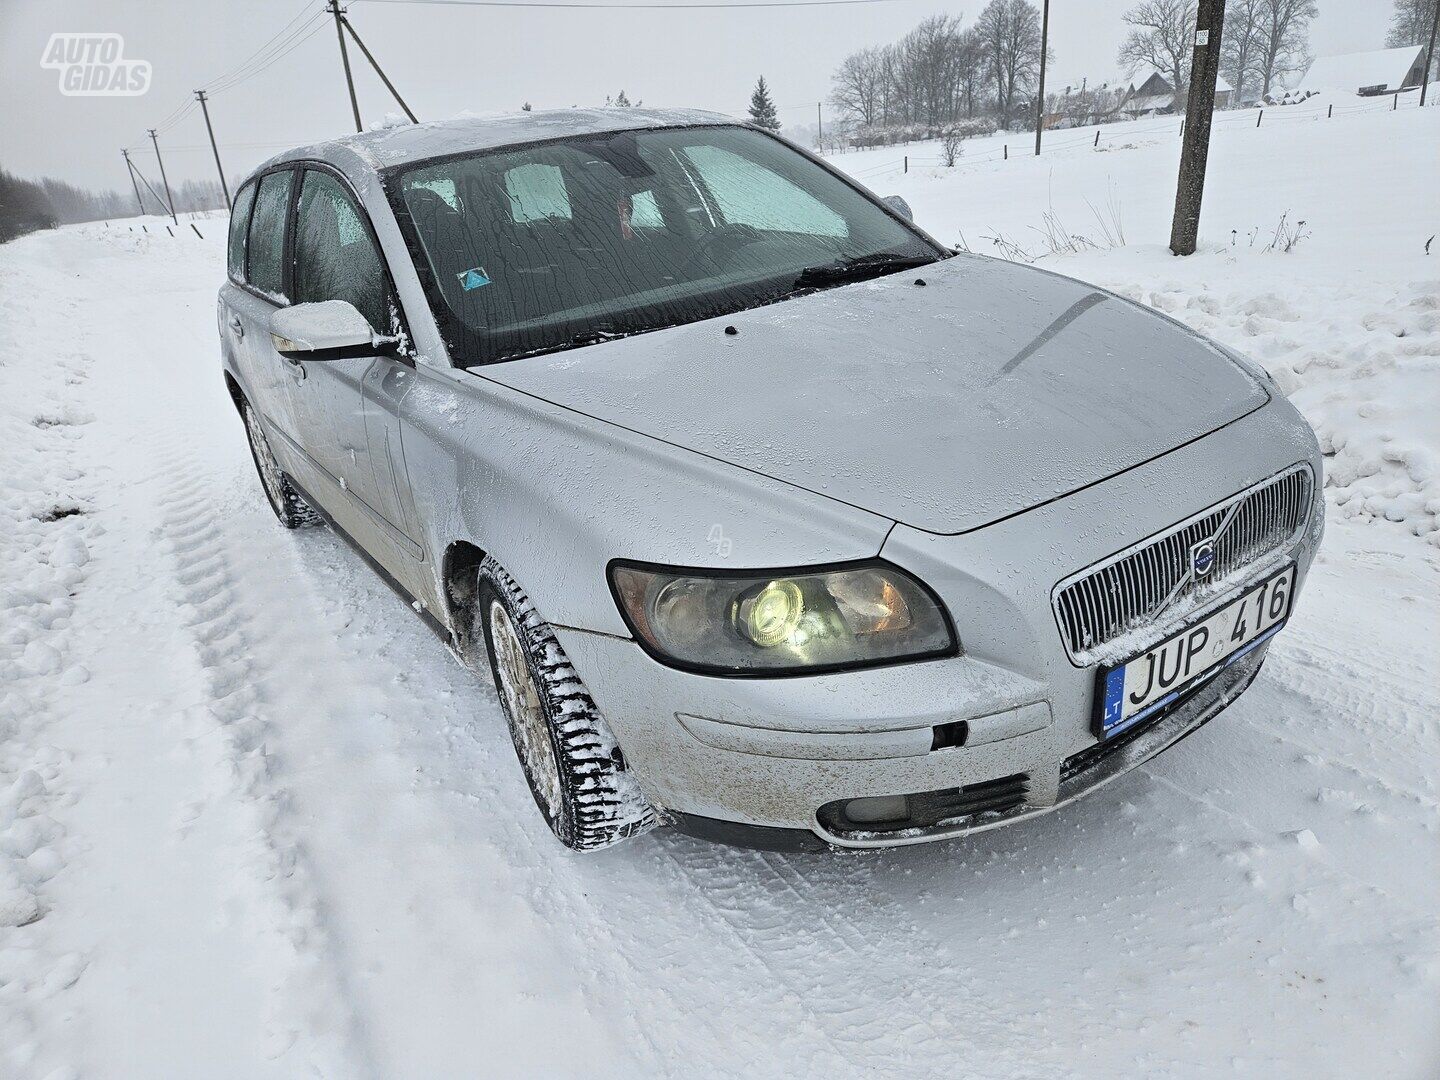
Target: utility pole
(337, 11)
(819, 128)
(1204, 67)
(224, 187)
(133, 182)
(135, 169)
(383, 78)
(168, 197)
(1040, 101)
(1429, 56)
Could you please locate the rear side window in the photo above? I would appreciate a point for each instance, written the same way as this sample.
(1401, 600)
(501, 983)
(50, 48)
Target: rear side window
(239, 226)
(266, 245)
(334, 256)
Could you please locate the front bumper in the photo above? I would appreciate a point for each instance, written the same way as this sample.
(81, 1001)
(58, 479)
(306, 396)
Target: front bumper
(1080, 774)
(724, 757)
(752, 792)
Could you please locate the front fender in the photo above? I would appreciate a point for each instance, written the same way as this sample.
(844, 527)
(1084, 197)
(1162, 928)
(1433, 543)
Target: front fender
(555, 495)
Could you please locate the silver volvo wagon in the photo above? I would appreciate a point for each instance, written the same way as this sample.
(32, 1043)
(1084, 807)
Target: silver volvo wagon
(775, 520)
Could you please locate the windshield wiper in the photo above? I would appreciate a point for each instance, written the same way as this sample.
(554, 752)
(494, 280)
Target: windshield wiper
(858, 268)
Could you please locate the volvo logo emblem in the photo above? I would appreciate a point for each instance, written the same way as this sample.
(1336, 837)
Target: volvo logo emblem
(1202, 557)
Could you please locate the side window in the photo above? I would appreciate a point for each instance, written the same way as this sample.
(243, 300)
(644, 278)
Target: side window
(537, 192)
(239, 225)
(265, 251)
(750, 194)
(334, 256)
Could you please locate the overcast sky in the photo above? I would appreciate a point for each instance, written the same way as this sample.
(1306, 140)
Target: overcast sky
(446, 59)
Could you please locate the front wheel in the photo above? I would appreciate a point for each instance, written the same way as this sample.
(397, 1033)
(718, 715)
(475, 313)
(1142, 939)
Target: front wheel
(293, 511)
(570, 758)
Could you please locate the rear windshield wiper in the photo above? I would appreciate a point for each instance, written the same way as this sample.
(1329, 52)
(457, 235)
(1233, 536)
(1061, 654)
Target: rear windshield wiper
(859, 268)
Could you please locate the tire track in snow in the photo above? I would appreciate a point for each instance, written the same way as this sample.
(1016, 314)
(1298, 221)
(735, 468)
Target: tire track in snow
(514, 835)
(310, 1014)
(465, 886)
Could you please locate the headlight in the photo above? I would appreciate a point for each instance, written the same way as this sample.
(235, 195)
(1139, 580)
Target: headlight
(783, 622)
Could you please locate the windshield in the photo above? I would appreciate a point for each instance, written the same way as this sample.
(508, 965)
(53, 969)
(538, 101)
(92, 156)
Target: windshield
(571, 242)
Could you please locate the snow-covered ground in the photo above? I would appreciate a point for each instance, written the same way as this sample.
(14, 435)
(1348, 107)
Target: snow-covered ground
(255, 822)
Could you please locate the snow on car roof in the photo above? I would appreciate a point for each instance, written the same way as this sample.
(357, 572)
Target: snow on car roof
(398, 145)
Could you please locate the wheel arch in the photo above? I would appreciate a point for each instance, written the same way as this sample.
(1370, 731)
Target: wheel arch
(237, 395)
(459, 570)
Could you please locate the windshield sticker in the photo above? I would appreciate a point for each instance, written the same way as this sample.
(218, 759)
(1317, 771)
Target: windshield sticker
(474, 278)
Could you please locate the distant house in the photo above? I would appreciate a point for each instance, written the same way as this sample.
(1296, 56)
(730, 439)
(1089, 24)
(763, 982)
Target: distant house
(1156, 97)
(1382, 71)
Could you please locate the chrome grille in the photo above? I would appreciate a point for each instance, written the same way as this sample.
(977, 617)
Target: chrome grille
(1135, 586)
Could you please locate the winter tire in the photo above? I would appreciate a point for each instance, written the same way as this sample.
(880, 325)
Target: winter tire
(293, 511)
(571, 760)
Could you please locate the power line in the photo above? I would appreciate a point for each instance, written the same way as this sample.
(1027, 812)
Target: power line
(303, 33)
(262, 49)
(280, 44)
(604, 6)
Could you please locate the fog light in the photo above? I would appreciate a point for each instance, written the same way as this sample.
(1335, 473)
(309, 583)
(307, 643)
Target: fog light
(877, 808)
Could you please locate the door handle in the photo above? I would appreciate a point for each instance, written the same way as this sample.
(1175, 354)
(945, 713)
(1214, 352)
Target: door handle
(236, 326)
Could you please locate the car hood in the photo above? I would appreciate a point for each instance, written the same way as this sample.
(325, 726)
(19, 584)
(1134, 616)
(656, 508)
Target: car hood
(992, 388)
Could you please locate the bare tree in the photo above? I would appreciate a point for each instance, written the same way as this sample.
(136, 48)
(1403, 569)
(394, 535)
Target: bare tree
(1284, 39)
(860, 86)
(932, 76)
(973, 74)
(1240, 44)
(1162, 37)
(952, 145)
(1009, 33)
(929, 54)
(1410, 25)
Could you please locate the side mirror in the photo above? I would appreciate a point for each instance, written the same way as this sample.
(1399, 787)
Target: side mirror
(899, 205)
(328, 330)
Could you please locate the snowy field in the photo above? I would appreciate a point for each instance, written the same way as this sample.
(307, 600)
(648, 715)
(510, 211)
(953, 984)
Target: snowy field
(255, 822)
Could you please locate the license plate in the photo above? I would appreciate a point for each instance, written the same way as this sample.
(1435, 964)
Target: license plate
(1141, 687)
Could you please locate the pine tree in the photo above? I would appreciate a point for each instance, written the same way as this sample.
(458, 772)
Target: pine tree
(762, 109)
